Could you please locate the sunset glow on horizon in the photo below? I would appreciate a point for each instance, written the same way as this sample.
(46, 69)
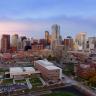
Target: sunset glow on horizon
(32, 17)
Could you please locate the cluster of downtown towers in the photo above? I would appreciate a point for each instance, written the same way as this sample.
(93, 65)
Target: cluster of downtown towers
(24, 43)
(16, 43)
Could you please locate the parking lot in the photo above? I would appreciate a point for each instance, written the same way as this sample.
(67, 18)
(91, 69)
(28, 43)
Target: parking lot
(13, 87)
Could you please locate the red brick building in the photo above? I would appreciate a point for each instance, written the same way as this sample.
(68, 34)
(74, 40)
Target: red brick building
(5, 43)
(48, 70)
(37, 46)
(86, 70)
(68, 42)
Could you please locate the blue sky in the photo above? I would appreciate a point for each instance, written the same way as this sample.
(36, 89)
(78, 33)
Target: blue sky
(33, 17)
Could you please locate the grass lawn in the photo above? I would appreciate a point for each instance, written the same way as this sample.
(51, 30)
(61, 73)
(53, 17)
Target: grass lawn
(4, 69)
(20, 81)
(60, 94)
(35, 81)
(7, 81)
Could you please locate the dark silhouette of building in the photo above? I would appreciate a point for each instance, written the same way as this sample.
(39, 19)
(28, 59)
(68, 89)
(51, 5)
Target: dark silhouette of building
(27, 48)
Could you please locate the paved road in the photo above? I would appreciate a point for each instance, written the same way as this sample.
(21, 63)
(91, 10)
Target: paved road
(82, 87)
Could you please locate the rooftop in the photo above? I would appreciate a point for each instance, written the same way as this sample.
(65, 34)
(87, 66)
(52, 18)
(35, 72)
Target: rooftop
(21, 70)
(48, 65)
(52, 67)
(84, 66)
(45, 63)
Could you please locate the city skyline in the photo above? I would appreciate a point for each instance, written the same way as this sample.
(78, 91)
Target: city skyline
(32, 18)
(48, 47)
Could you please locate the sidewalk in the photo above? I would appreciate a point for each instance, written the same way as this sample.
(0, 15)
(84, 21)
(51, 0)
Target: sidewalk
(44, 83)
(28, 83)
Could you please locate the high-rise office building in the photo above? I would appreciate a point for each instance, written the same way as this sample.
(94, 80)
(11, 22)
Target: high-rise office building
(69, 43)
(19, 47)
(55, 37)
(23, 39)
(50, 37)
(15, 41)
(21, 43)
(81, 40)
(5, 42)
(91, 43)
(27, 44)
(55, 32)
(47, 37)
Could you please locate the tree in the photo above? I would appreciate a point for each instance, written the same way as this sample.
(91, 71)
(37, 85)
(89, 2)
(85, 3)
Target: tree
(50, 58)
(92, 81)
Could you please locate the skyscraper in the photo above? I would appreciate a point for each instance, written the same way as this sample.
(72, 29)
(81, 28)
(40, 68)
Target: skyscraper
(27, 44)
(47, 37)
(55, 39)
(5, 42)
(23, 39)
(15, 41)
(92, 43)
(81, 40)
(69, 43)
(21, 43)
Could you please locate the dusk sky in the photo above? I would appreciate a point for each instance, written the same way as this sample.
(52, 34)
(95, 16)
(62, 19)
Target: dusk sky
(33, 17)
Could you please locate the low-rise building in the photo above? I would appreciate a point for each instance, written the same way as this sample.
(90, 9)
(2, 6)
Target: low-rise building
(86, 70)
(48, 70)
(7, 56)
(21, 72)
